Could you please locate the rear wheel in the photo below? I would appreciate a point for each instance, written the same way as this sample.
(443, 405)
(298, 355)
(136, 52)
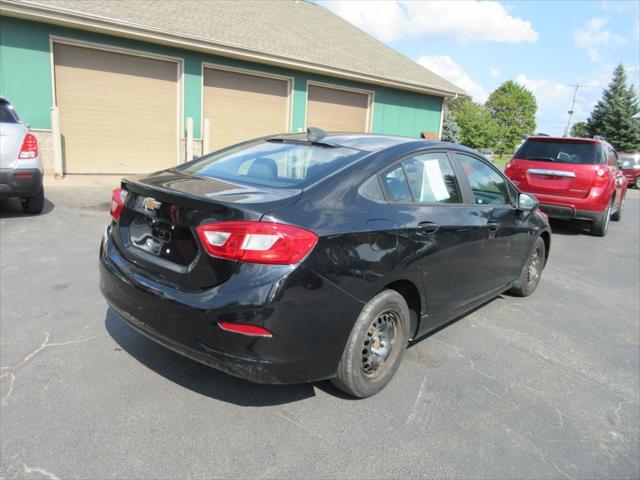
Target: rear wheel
(530, 275)
(375, 347)
(637, 182)
(34, 205)
(618, 215)
(600, 226)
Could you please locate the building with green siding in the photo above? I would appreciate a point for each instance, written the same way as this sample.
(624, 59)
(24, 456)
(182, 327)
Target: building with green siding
(136, 86)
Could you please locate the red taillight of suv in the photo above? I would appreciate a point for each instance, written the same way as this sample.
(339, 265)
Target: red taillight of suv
(117, 203)
(29, 147)
(257, 242)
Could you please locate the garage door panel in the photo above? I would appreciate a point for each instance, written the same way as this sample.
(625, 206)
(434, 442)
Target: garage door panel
(337, 110)
(241, 106)
(118, 112)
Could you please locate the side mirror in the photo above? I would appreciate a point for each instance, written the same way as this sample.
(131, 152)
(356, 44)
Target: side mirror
(527, 202)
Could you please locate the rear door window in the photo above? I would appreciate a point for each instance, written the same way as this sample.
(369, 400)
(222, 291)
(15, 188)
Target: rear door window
(431, 178)
(487, 185)
(560, 152)
(395, 185)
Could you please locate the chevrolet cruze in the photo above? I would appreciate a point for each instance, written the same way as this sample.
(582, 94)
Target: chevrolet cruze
(302, 257)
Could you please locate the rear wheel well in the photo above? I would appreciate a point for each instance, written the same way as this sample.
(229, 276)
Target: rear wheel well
(411, 295)
(546, 238)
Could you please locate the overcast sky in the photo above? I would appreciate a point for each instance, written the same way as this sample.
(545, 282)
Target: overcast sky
(544, 45)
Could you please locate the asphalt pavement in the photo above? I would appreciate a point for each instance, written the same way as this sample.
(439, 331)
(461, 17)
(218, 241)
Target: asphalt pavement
(539, 387)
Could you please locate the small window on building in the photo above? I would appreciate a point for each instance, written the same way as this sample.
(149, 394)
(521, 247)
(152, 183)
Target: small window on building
(431, 178)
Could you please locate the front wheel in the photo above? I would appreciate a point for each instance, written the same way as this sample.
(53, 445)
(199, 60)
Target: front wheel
(375, 347)
(637, 182)
(530, 275)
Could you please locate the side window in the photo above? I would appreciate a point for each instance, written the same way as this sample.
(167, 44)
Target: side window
(488, 187)
(431, 178)
(614, 158)
(602, 155)
(395, 185)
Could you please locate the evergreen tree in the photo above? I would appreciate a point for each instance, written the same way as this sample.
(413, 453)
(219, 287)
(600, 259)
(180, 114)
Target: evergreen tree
(514, 109)
(615, 116)
(450, 129)
(579, 129)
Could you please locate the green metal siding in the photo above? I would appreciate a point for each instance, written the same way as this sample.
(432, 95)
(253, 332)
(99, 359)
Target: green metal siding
(25, 79)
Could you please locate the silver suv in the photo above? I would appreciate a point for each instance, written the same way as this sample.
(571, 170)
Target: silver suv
(20, 163)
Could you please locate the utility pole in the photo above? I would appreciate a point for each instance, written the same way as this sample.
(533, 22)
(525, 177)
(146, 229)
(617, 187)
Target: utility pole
(573, 104)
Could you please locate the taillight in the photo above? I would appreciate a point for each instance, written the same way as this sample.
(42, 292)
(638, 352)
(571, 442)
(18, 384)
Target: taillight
(508, 165)
(29, 147)
(244, 329)
(602, 176)
(257, 242)
(117, 203)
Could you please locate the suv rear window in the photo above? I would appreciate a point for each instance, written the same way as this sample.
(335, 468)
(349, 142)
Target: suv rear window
(560, 152)
(7, 113)
(284, 164)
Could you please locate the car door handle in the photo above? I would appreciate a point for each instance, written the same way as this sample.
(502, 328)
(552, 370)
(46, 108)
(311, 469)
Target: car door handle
(428, 227)
(493, 226)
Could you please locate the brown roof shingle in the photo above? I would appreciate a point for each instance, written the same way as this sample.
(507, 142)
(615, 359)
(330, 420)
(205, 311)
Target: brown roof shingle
(293, 30)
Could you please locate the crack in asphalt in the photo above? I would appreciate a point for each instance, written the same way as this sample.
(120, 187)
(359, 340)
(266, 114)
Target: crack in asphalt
(11, 370)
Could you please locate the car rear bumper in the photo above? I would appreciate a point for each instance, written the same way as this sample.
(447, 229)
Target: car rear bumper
(569, 213)
(591, 207)
(20, 182)
(309, 317)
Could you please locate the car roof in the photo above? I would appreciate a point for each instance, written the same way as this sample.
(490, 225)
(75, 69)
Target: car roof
(371, 142)
(595, 140)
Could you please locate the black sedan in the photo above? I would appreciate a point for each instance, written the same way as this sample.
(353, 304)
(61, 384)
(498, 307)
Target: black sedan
(302, 257)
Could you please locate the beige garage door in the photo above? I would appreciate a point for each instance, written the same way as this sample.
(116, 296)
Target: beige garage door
(118, 112)
(337, 110)
(241, 106)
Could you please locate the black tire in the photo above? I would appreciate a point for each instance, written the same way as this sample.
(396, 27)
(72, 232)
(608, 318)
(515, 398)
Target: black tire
(637, 182)
(532, 271)
(618, 215)
(34, 205)
(384, 321)
(600, 226)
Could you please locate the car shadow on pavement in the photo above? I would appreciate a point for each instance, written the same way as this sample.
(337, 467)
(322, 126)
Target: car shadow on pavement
(569, 227)
(12, 208)
(198, 377)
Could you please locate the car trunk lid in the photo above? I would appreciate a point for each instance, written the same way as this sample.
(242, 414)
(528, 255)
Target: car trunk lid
(553, 178)
(156, 230)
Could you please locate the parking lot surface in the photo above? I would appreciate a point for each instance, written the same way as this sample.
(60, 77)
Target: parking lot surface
(540, 387)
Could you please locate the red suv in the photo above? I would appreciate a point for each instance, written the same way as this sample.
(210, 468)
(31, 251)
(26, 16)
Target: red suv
(573, 178)
(630, 165)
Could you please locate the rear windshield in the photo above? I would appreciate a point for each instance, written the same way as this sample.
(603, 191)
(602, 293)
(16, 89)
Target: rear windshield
(274, 163)
(561, 152)
(7, 113)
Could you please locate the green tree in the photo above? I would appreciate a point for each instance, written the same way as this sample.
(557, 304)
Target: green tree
(477, 128)
(579, 129)
(615, 116)
(514, 109)
(450, 129)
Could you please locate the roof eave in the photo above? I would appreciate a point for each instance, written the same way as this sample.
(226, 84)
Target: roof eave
(70, 18)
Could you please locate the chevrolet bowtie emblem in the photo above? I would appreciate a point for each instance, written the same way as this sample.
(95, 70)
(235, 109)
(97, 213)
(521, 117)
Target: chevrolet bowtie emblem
(151, 203)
